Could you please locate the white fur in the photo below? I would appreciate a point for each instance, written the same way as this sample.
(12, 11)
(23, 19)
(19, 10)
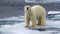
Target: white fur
(38, 11)
(35, 12)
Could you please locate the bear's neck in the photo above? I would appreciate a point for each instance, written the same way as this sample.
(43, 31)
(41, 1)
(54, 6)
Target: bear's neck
(29, 12)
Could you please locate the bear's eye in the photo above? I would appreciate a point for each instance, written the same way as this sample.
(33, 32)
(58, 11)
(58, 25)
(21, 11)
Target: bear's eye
(27, 8)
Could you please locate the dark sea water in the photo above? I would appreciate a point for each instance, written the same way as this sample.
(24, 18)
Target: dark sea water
(7, 10)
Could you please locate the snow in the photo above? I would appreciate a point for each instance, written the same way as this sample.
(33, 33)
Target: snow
(53, 12)
(18, 28)
(13, 18)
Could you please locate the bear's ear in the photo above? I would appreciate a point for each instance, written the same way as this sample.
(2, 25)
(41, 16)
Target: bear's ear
(27, 8)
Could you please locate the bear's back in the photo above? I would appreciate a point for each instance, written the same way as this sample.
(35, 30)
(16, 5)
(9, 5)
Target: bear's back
(37, 10)
(37, 7)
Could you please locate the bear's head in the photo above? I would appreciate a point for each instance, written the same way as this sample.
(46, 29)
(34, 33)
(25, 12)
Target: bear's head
(27, 9)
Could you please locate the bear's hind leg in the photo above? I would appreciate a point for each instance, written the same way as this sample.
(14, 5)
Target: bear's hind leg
(39, 21)
(43, 20)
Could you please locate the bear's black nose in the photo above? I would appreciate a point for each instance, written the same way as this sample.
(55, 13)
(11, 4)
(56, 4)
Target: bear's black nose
(27, 8)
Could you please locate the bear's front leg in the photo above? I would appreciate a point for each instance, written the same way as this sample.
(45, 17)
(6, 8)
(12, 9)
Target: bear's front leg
(27, 19)
(33, 22)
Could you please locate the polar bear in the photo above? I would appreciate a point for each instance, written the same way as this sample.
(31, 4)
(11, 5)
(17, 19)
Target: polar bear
(35, 13)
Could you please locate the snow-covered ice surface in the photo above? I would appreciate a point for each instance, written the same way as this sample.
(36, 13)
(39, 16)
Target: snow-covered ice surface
(53, 12)
(53, 27)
